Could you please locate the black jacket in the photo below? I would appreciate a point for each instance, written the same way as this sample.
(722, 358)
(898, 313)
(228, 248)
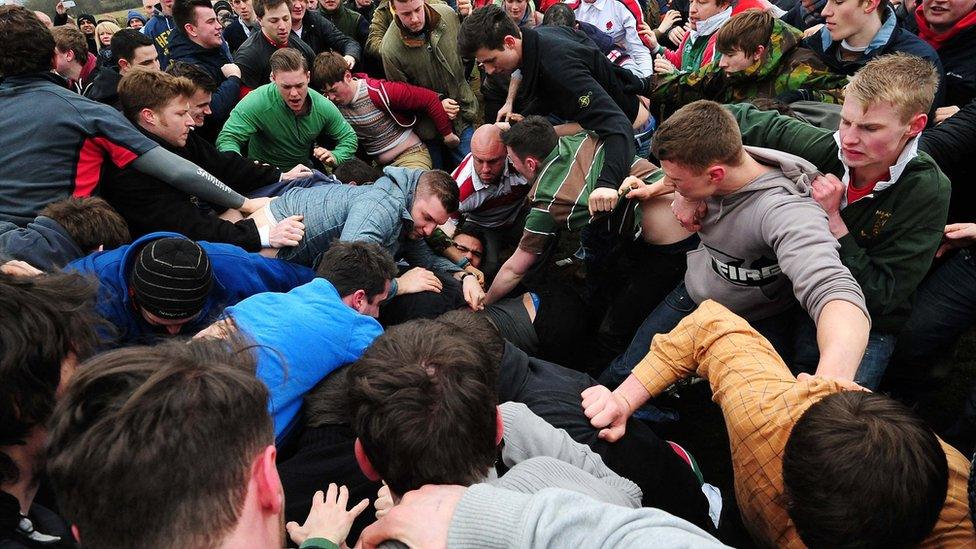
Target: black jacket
(254, 57)
(951, 144)
(228, 92)
(566, 72)
(104, 87)
(321, 35)
(552, 392)
(149, 205)
(958, 57)
(234, 35)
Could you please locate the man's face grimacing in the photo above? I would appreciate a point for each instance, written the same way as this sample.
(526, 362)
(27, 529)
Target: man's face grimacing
(470, 247)
(207, 28)
(942, 15)
(528, 167)
(502, 62)
(143, 56)
(200, 106)
(293, 87)
(872, 136)
(411, 14)
(427, 213)
(489, 162)
(172, 123)
(342, 92)
(738, 60)
(276, 23)
(691, 183)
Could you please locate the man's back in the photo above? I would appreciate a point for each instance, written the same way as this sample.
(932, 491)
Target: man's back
(254, 57)
(79, 137)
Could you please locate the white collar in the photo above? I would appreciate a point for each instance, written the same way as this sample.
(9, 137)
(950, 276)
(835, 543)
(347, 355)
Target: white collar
(710, 25)
(597, 5)
(894, 172)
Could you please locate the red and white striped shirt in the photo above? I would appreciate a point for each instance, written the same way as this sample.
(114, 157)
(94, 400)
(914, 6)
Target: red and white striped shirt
(490, 205)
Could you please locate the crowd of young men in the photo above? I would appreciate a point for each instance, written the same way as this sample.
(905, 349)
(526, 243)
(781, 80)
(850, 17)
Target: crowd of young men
(299, 276)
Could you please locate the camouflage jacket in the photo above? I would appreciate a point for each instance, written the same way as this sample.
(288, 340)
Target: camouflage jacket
(784, 67)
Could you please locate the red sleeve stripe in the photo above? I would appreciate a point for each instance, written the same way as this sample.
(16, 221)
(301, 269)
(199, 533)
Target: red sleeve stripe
(91, 158)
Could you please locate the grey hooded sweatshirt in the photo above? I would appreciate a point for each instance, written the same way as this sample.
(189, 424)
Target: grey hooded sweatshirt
(767, 245)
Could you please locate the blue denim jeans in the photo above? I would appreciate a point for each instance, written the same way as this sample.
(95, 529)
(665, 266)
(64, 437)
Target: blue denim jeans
(806, 353)
(678, 304)
(945, 307)
(446, 158)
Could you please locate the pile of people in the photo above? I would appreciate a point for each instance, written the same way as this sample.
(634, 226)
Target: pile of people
(424, 272)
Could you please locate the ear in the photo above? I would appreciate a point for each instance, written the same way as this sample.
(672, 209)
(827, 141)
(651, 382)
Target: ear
(264, 472)
(759, 53)
(508, 42)
(123, 65)
(148, 116)
(364, 464)
(189, 29)
(308, 76)
(716, 173)
(917, 124)
(499, 426)
(272, 77)
(358, 300)
(872, 6)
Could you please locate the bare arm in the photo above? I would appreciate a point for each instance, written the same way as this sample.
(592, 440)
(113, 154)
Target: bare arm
(842, 335)
(510, 274)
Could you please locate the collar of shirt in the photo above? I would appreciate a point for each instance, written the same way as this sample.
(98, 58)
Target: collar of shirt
(879, 41)
(894, 172)
(598, 5)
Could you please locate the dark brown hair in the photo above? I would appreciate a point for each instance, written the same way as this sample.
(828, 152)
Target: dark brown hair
(487, 28)
(26, 45)
(534, 136)
(176, 426)
(440, 184)
(329, 68)
(352, 266)
(423, 408)
(142, 88)
(262, 6)
(90, 222)
(193, 73)
(43, 319)
(699, 135)
(745, 31)
(861, 470)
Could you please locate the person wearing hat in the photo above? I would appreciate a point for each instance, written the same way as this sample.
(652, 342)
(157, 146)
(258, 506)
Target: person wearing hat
(135, 20)
(165, 284)
(86, 23)
(225, 14)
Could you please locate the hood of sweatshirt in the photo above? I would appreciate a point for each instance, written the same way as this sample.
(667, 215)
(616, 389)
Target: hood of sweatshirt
(181, 48)
(798, 172)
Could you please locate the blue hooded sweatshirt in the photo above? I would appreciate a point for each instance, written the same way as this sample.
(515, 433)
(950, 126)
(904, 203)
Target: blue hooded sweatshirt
(302, 337)
(181, 48)
(237, 274)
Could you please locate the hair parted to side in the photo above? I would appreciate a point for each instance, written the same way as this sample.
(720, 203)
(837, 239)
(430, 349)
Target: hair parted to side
(201, 80)
(288, 60)
(352, 266)
(179, 424)
(71, 39)
(906, 81)
(90, 221)
(26, 45)
(423, 408)
(745, 31)
(355, 171)
(487, 28)
(861, 470)
(440, 184)
(43, 319)
(262, 6)
(329, 68)
(125, 42)
(142, 88)
(533, 136)
(699, 135)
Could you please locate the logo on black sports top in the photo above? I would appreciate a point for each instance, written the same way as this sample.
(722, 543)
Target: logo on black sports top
(584, 100)
(761, 272)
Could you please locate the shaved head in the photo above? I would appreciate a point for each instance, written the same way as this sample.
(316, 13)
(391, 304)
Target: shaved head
(487, 138)
(489, 153)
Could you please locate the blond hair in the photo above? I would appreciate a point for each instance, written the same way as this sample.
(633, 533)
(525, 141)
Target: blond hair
(142, 88)
(102, 27)
(906, 81)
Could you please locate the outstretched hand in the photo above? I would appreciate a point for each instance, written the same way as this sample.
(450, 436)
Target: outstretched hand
(328, 517)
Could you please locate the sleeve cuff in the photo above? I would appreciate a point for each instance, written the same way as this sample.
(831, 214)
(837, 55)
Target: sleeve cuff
(264, 233)
(646, 373)
(487, 517)
(848, 246)
(318, 543)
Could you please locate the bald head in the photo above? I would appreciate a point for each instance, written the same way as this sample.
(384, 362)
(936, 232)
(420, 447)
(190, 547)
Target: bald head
(44, 19)
(489, 153)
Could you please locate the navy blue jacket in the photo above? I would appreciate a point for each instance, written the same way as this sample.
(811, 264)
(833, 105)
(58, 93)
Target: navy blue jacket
(181, 48)
(43, 243)
(237, 275)
(890, 39)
